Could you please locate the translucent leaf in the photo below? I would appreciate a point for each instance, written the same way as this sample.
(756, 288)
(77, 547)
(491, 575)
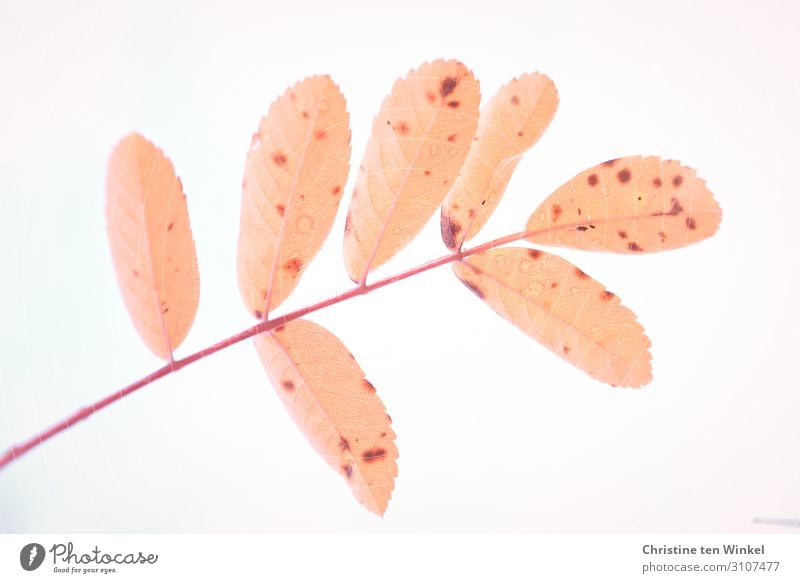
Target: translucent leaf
(510, 123)
(296, 169)
(151, 243)
(564, 309)
(418, 144)
(628, 205)
(337, 409)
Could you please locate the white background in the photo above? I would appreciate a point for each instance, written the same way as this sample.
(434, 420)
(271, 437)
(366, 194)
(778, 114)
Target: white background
(495, 434)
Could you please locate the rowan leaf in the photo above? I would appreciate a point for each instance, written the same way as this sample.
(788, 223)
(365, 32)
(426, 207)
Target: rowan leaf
(151, 243)
(628, 205)
(509, 124)
(334, 405)
(296, 170)
(418, 144)
(564, 309)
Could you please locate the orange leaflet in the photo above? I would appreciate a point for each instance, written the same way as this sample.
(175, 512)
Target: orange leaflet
(564, 309)
(628, 205)
(296, 169)
(324, 389)
(510, 123)
(151, 243)
(418, 144)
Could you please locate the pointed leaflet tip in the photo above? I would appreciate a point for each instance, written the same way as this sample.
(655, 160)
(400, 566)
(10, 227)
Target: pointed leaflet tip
(293, 182)
(335, 406)
(151, 243)
(418, 144)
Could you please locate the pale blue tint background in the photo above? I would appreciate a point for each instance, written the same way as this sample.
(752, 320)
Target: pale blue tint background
(495, 433)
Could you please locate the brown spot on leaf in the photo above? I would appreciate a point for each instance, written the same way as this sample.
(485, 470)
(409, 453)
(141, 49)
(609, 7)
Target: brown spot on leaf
(565, 348)
(634, 247)
(288, 385)
(582, 228)
(281, 209)
(320, 135)
(447, 86)
(336, 190)
(606, 295)
(368, 385)
(344, 445)
(452, 138)
(555, 212)
(520, 134)
(624, 175)
(534, 253)
(592, 180)
(305, 115)
(373, 455)
(453, 104)
(554, 285)
(169, 227)
(279, 158)
(258, 314)
(676, 209)
(280, 328)
(657, 182)
(610, 162)
(622, 234)
(450, 229)
(471, 213)
(691, 223)
(347, 469)
(474, 288)
(347, 225)
(430, 97)
(580, 273)
(662, 235)
(402, 128)
(677, 181)
(427, 173)
(294, 264)
(135, 273)
(514, 100)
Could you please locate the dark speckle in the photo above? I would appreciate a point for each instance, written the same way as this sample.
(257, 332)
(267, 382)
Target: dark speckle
(555, 212)
(624, 175)
(662, 235)
(622, 234)
(344, 445)
(279, 158)
(534, 253)
(606, 295)
(580, 273)
(634, 247)
(288, 385)
(373, 455)
(657, 182)
(592, 180)
(675, 209)
(447, 86)
(450, 230)
(169, 227)
(691, 223)
(677, 181)
(347, 225)
(514, 100)
(453, 104)
(258, 314)
(582, 228)
(565, 348)
(293, 265)
(347, 469)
